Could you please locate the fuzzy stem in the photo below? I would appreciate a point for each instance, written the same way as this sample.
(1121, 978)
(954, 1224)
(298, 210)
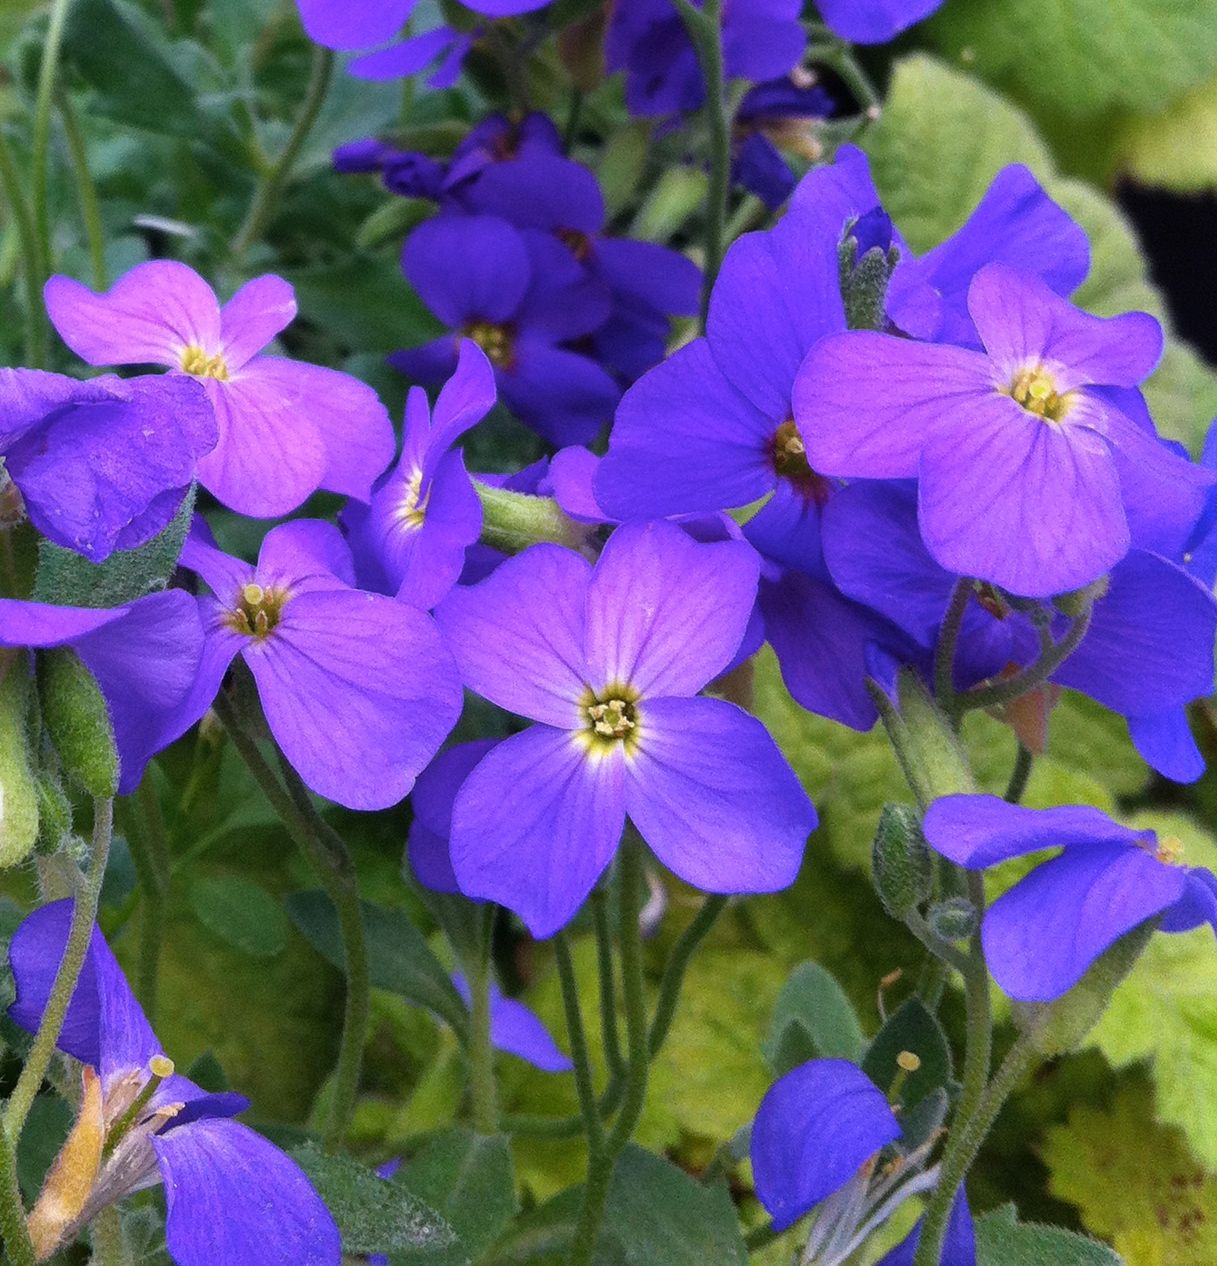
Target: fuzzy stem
(18, 1250)
(589, 1109)
(608, 990)
(1031, 677)
(948, 641)
(109, 1243)
(1019, 775)
(80, 934)
(512, 521)
(86, 189)
(678, 965)
(43, 100)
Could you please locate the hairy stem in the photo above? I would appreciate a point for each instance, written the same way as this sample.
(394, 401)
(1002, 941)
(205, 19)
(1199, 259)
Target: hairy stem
(948, 641)
(678, 965)
(44, 97)
(18, 1250)
(584, 1084)
(86, 189)
(1033, 676)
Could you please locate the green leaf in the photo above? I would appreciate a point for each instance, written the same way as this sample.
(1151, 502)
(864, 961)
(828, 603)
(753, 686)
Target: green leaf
(911, 1027)
(1176, 150)
(1083, 57)
(399, 959)
(1134, 1181)
(65, 578)
(468, 1179)
(241, 913)
(1001, 1240)
(813, 1019)
(1166, 1012)
(18, 786)
(376, 1216)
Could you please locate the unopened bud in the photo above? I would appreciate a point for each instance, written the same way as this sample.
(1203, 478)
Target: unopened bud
(900, 860)
(953, 919)
(18, 783)
(78, 721)
(1078, 601)
(54, 813)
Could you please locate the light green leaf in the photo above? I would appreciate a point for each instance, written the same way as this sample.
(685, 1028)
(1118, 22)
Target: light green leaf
(1177, 149)
(813, 1019)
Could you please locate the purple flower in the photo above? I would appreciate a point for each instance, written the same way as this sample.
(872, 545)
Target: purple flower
(1042, 935)
(144, 657)
(762, 39)
(411, 539)
(518, 1031)
(873, 21)
(609, 661)
(285, 428)
(1021, 431)
(958, 1246)
(105, 464)
(233, 1199)
(428, 844)
(772, 117)
(357, 688)
(520, 295)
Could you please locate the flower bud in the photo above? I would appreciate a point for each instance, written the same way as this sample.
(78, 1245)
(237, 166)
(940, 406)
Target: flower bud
(900, 860)
(54, 812)
(867, 258)
(78, 722)
(953, 919)
(18, 785)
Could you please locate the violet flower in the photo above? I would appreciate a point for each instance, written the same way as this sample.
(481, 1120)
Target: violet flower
(520, 295)
(358, 689)
(144, 657)
(285, 428)
(608, 660)
(428, 845)
(105, 464)
(1023, 463)
(410, 540)
(1042, 935)
(873, 21)
(516, 1029)
(233, 1198)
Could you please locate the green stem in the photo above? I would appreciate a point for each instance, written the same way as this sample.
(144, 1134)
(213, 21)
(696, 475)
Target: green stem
(327, 854)
(86, 189)
(109, 1243)
(1020, 775)
(512, 521)
(18, 1250)
(584, 1085)
(80, 933)
(760, 1237)
(1031, 677)
(270, 187)
(965, 1143)
(481, 1051)
(705, 32)
(940, 949)
(948, 640)
(32, 268)
(602, 1159)
(44, 97)
(608, 992)
(678, 965)
(150, 851)
(840, 58)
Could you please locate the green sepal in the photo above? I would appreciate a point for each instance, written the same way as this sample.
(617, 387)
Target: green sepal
(927, 746)
(954, 919)
(864, 282)
(54, 812)
(77, 721)
(1058, 1027)
(900, 860)
(18, 782)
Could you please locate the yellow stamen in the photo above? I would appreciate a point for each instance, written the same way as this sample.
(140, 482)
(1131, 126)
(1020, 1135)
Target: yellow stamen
(1035, 389)
(496, 341)
(257, 611)
(610, 717)
(198, 362)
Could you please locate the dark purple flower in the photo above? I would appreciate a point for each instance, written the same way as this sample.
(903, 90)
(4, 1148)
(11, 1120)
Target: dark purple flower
(773, 117)
(144, 657)
(357, 688)
(411, 539)
(873, 21)
(518, 1031)
(285, 428)
(233, 1199)
(609, 661)
(1042, 935)
(105, 464)
(762, 39)
(521, 296)
(1023, 465)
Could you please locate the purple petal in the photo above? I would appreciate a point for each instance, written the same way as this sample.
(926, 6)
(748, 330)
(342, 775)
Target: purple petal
(468, 268)
(958, 1247)
(305, 554)
(830, 196)
(359, 692)
(254, 315)
(28, 397)
(814, 1130)
(980, 831)
(536, 823)
(787, 528)
(867, 404)
(270, 456)
(777, 295)
(873, 22)
(465, 399)
(431, 363)
(572, 476)
(221, 645)
(427, 561)
(342, 25)
(1042, 935)
(38, 624)
(407, 57)
(1165, 742)
(519, 635)
(518, 1031)
(711, 794)
(1197, 905)
(564, 299)
(234, 1199)
(660, 278)
(150, 316)
(200, 554)
(565, 397)
(505, 8)
(1021, 322)
(1009, 498)
(433, 797)
(538, 191)
(685, 440)
(666, 614)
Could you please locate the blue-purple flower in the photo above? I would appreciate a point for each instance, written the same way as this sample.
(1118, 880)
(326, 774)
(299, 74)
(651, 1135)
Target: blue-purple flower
(358, 689)
(1042, 935)
(285, 428)
(518, 1031)
(410, 539)
(233, 1199)
(609, 662)
(873, 21)
(105, 464)
(144, 657)
(1024, 462)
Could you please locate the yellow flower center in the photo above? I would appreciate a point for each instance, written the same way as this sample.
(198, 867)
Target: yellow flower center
(257, 612)
(196, 361)
(495, 340)
(1035, 389)
(413, 506)
(610, 718)
(789, 456)
(1169, 851)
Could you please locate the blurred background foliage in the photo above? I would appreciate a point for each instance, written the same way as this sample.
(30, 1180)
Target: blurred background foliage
(170, 113)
